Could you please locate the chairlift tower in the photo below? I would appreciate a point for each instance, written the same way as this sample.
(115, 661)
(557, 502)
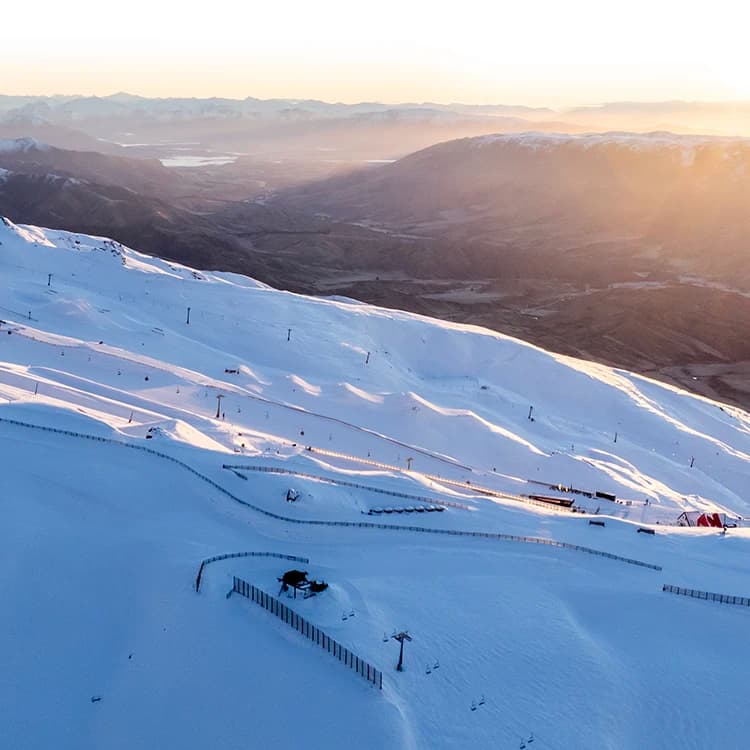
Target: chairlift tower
(401, 637)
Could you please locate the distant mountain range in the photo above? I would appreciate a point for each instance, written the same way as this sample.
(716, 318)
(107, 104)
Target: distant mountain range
(609, 201)
(71, 108)
(731, 118)
(727, 118)
(267, 129)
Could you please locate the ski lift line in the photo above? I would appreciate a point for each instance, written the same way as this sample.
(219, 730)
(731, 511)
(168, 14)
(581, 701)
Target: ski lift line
(504, 495)
(147, 406)
(23, 316)
(157, 365)
(533, 741)
(105, 400)
(142, 404)
(528, 739)
(94, 400)
(423, 451)
(538, 741)
(576, 490)
(341, 524)
(239, 390)
(436, 456)
(434, 478)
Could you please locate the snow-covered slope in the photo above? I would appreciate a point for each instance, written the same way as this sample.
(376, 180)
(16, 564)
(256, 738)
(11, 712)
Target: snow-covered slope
(347, 403)
(639, 141)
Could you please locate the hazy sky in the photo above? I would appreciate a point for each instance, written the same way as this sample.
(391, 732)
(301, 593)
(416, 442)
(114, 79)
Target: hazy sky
(542, 52)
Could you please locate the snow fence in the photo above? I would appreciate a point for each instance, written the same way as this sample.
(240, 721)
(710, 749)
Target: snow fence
(232, 555)
(743, 601)
(350, 524)
(310, 631)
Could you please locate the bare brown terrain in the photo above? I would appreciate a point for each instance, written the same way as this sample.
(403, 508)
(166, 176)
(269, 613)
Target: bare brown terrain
(645, 330)
(628, 253)
(629, 250)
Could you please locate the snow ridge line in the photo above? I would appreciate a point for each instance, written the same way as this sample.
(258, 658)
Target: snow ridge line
(743, 601)
(343, 483)
(216, 558)
(351, 524)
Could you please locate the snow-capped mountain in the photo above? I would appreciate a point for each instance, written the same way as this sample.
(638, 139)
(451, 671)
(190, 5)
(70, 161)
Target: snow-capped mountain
(371, 415)
(123, 104)
(21, 145)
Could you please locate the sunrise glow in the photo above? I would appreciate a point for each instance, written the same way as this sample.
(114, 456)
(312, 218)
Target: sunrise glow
(479, 52)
